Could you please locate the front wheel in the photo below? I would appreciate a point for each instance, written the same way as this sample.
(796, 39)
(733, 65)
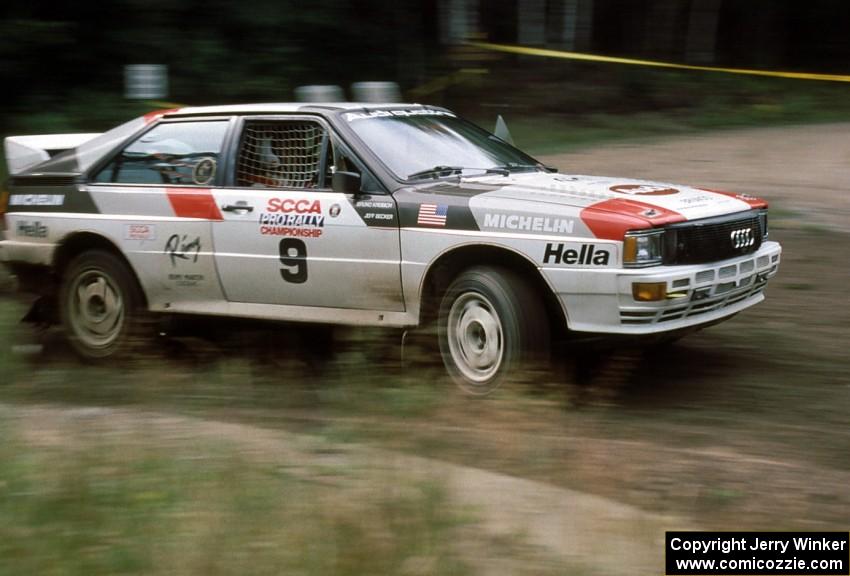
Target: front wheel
(491, 327)
(100, 304)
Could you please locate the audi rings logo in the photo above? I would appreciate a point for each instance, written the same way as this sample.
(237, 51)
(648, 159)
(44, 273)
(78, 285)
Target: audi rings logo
(742, 238)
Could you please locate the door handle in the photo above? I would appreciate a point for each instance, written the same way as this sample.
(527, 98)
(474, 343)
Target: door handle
(238, 207)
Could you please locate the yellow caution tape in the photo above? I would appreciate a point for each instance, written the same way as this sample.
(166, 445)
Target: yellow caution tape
(511, 49)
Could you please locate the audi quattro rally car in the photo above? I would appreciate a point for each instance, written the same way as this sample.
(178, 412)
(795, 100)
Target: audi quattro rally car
(395, 215)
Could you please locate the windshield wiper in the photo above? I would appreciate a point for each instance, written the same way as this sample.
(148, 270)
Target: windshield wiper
(441, 171)
(516, 167)
(436, 172)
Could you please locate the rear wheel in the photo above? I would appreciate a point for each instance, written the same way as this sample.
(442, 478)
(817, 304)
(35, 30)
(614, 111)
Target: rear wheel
(100, 304)
(492, 327)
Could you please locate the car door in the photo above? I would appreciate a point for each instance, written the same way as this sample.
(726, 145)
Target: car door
(287, 238)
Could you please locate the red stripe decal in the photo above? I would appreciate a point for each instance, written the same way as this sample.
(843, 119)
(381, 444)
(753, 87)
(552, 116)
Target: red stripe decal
(193, 203)
(751, 200)
(611, 219)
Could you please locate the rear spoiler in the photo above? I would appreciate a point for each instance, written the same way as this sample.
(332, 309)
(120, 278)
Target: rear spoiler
(24, 152)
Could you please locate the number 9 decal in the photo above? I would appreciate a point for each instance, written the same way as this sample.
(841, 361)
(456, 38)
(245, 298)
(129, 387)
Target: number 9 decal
(293, 255)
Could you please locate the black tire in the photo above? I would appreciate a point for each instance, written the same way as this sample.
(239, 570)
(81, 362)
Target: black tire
(492, 327)
(101, 306)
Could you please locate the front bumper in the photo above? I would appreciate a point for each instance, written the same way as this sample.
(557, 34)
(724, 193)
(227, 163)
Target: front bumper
(601, 301)
(29, 252)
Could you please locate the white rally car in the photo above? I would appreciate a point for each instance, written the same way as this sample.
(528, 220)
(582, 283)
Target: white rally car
(395, 215)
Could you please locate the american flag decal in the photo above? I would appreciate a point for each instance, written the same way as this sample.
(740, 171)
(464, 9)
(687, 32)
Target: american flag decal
(432, 214)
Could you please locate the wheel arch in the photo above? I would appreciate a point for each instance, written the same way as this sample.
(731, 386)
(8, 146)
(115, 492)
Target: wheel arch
(78, 242)
(449, 264)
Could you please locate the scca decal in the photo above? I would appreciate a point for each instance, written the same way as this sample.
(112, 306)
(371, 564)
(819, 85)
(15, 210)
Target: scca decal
(302, 206)
(588, 255)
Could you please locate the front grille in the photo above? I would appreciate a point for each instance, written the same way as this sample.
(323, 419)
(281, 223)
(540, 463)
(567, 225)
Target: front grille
(712, 239)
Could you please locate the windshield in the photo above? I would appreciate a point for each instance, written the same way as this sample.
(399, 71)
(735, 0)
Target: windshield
(432, 143)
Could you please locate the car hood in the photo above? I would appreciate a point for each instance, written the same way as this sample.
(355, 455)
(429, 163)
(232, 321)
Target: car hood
(616, 195)
(595, 206)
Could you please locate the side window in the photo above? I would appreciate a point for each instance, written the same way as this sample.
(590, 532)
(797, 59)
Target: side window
(170, 153)
(281, 154)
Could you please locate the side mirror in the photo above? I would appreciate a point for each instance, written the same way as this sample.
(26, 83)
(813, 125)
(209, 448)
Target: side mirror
(346, 182)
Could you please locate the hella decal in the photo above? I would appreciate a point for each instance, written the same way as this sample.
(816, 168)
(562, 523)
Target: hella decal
(587, 255)
(31, 229)
(529, 223)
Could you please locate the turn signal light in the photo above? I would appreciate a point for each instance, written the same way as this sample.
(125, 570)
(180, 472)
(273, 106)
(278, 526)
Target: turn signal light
(649, 291)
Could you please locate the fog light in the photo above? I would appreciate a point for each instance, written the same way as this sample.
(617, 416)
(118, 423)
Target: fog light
(649, 291)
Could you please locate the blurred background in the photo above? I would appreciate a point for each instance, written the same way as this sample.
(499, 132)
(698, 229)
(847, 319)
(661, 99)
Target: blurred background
(63, 66)
(293, 451)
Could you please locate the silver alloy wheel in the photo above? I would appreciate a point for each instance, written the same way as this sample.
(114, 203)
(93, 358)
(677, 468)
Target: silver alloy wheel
(475, 337)
(96, 308)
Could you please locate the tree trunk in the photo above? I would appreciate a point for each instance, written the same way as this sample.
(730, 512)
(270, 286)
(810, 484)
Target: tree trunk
(531, 19)
(702, 31)
(571, 24)
(662, 29)
(458, 20)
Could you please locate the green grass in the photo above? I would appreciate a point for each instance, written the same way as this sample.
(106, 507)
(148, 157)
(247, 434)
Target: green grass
(110, 503)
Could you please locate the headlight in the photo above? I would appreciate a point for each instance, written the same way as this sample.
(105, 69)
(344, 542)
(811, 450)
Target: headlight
(763, 223)
(643, 248)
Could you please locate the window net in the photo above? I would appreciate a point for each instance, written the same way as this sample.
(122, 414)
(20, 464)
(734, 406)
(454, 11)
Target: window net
(280, 155)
